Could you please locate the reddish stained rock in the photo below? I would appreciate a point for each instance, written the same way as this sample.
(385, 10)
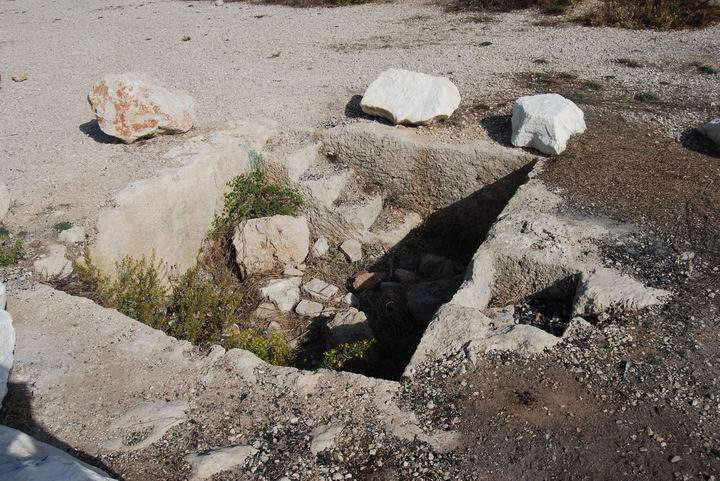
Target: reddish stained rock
(367, 280)
(131, 106)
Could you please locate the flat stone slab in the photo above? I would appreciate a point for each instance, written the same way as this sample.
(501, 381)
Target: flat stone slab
(406, 97)
(320, 289)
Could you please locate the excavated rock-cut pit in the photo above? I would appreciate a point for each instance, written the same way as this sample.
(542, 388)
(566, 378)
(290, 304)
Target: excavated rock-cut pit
(459, 235)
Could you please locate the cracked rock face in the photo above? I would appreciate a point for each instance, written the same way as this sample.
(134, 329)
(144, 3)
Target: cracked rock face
(406, 97)
(131, 106)
(546, 122)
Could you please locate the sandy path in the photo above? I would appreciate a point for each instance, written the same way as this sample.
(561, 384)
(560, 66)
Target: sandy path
(57, 169)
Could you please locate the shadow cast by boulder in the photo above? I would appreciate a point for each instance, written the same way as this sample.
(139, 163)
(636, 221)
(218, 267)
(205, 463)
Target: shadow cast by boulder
(354, 111)
(92, 130)
(498, 128)
(17, 413)
(693, 139)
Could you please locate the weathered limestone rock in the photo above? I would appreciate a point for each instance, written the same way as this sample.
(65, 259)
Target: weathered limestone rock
(309, 308)
(711, 130)
(73, 235)
(607, 291)
(546, 122)
(23, 458)
(170, 214)
(324, 437)
(54, 264)
(271, 242)
(205, 465)
(4, 200)
(320, 289)
(347, 326)
(284, 293)
(320, 247)
(406, 97)
(131, 106)
(352, 249)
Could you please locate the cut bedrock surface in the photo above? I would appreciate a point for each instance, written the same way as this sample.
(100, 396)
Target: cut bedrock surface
(170, 214)
(532, 251)
(96, 380)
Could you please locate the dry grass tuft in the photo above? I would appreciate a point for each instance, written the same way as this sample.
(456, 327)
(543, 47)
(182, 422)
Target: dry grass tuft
(656, 14)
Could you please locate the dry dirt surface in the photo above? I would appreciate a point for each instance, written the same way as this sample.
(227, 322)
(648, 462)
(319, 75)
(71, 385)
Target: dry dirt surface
(621, 406)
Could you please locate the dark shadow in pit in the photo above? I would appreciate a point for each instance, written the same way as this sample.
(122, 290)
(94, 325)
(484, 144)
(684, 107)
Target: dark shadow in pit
(498, 128)
(693, 139)
(92, 130)
(354, 111)
(398, 311)
(17, 413)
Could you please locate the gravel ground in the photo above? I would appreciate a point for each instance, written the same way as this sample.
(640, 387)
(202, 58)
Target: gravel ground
(59, 167)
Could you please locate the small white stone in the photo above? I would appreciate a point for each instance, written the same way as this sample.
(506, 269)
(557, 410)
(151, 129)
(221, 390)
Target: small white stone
(309, 308)
(351, 300)
(352, 249)
(284, 293)
(320, 247)
(320, 289)
(73, 235)
(54, 264)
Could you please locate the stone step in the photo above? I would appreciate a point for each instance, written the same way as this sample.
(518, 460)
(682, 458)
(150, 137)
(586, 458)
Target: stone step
(362, 211)
(298, 162)
(392, 226)
(325, 186)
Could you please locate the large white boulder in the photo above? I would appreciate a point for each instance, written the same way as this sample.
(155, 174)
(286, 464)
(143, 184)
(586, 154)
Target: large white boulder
(23, 458)
(268, 243)
(130, 106)
(406, 97)
(4, 200)
(545, 122)
(711, 130)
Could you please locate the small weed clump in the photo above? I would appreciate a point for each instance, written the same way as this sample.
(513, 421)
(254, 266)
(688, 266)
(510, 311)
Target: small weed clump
(273, 349)
(628, 62)
(61, 226)
(553, 7)
(657, 14)
(201, 311)
(338, 357)
(139, 292)
(11, 251)
(707, 69)
(193, 307)
(648, 97)
(253, 195)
